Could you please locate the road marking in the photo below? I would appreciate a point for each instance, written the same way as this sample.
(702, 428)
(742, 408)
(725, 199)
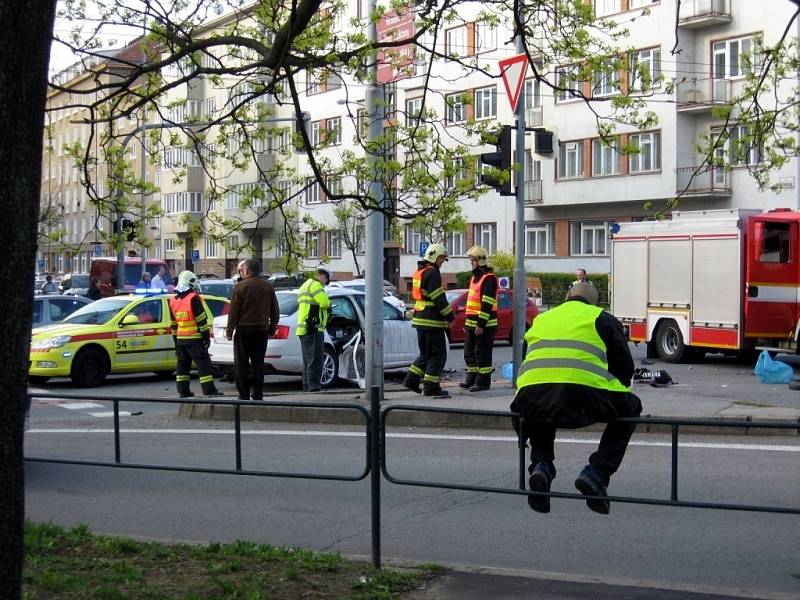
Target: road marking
(425, 436)
(110, 413)
(80, 405)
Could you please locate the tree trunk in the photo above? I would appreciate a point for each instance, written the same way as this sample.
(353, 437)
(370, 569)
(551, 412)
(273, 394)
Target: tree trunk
(24, 48)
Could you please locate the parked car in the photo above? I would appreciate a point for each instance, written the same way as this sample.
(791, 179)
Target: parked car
(129, 333)
(50, 308)
(344, 339)
(505, 315)
(283, 281)
(74, 284)
(217, 287)
(361, 286)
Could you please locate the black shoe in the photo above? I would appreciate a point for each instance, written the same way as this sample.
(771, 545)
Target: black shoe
(590, 483)
(310, 390)
(258, 398)
(213, 393)
(245, 398)
(540, 482)
(465, 385)
(479, 388)
(186, 395)
(436, 392)
(414, 387)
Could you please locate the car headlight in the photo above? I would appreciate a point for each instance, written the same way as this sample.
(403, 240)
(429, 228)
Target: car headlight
(53, 342)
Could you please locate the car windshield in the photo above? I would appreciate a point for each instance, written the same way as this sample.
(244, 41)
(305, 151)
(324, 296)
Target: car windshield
(99, 312)
(222, 288)
(287, 303)
(452, 295)
(79, 281)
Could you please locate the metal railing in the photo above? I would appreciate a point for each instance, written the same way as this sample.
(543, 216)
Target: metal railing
(375, 465)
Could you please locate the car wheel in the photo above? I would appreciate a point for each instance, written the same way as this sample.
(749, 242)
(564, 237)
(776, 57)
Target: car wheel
(164, 374)
(669, 343)
(89, 368)
(37, 379)
(330, 368)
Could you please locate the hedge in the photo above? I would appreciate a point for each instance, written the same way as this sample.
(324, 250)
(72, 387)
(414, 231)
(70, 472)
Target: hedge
(554, 285)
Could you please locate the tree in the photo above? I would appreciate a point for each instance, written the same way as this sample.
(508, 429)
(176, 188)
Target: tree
(25, 46)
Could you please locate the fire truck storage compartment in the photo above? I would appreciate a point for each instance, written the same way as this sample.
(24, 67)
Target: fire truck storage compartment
(717, 288)
(629, 298)
(669, 283)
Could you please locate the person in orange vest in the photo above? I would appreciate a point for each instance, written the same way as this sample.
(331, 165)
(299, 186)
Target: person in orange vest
(432, 314)
(481, 321)
(190, 329)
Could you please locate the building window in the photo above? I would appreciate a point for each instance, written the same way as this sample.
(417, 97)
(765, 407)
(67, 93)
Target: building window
(456, 42)
(570, 160)
(333, 131)
(728, 57)
(533, 93)
(412, 240)
(605, 7)
(333, 244)
(313, 84)
(485, 38)
(413, 111)
(211, 248)
(486, 103)
(645, 69)
(567, 78)
(455, 108)
(640, 3)
(648, 157)
(461, 172)
(312, 244)
(169, 244)
(605, 157)
(485, 234)
(606, 81)
(540, 239)
(232, 243)
(239, 196)
(455, 242)
(588, 238)
(314, 134)
(334, 185)
(312, 191)
(741, 148)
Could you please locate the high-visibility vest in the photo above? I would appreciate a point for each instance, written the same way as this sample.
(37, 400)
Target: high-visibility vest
(564, 347)
(426, 315)
(185, 317)
(474, 300)
(312, 294)
(416, 282)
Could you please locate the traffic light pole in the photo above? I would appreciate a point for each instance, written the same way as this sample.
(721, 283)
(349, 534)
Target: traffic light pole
(520, 292)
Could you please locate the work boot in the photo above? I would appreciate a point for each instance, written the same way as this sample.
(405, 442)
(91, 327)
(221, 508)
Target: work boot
(540, 480)
(470, 381)
(482, 383)
(209, 389)
(591, 482)
(183, 389)
(434, 390)
(411, 382)
(185, 395)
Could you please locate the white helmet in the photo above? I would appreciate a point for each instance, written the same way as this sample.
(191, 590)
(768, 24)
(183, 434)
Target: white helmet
(434, 251)
(186, 281)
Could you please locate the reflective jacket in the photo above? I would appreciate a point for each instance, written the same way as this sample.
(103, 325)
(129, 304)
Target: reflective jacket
(312, 316)
(482, 300)
(431, 308)
(564, 347)
(189, 316)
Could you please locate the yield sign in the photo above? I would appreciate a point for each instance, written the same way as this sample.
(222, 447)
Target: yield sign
(513, 72)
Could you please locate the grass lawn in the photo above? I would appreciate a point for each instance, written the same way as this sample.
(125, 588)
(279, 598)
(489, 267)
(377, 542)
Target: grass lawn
(64, 564)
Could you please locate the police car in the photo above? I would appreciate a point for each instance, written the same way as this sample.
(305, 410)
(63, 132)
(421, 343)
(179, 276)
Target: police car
(120, 334)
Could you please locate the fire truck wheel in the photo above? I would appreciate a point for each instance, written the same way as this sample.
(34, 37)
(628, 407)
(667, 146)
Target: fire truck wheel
(669, 343)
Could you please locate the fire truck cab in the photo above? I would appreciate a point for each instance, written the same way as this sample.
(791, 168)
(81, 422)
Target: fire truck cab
(709, 281)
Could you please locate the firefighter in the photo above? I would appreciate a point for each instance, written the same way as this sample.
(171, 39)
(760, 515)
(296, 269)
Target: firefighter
(432, 314)
(312, 317)
(481, 321)
(190, 329)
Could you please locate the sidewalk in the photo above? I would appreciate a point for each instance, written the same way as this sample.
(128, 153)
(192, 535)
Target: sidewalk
(656, 402)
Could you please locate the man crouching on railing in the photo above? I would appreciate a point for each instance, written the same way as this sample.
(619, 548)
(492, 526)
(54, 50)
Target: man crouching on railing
(577, 371)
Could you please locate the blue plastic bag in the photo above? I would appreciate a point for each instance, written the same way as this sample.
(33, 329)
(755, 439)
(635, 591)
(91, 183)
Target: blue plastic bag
(507, 371)
(772, 371)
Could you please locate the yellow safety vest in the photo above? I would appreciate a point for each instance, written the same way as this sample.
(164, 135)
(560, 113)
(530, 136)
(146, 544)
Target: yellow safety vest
(564, 347)
(312, 294)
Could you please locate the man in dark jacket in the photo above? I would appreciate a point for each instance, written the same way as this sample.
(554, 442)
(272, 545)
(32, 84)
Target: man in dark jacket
(252, 319)
(432, 313)
(577, 371)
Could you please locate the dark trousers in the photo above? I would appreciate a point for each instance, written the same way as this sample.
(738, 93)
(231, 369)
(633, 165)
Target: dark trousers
(613, 442)
(429, 364)
(185, 353)
(249, 347)
(478, 354)
(313, 345)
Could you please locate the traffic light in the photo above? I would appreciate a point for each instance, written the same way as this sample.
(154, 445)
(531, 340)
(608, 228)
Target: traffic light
(501, 160)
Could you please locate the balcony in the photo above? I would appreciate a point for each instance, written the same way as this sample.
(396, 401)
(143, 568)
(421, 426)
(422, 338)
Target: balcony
(702, 95)
(703, 182)
(533, 192)
(698, 14)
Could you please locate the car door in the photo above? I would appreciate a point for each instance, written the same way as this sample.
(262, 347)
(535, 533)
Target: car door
(146, 344)
(400, 346)
(505, 314)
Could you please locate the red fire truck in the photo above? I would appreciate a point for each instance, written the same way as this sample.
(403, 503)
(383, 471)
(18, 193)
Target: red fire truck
(709, 281)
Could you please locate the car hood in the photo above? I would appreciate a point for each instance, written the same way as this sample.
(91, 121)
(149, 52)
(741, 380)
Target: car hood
(60, 329)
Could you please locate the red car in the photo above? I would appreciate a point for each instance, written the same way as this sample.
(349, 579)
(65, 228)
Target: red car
(505, 315)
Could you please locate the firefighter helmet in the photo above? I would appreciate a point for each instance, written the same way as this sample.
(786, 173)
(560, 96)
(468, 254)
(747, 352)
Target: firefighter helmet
(434, 251)
(480, 254)
(186, 281)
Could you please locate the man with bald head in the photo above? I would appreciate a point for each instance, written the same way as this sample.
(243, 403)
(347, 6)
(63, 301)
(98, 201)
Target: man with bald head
(577, 371)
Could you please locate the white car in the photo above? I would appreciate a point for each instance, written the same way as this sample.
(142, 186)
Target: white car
(361, 286)
(344, 339)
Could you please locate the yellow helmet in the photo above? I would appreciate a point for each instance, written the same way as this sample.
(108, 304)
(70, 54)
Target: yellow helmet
(479, 253)
(434, 251)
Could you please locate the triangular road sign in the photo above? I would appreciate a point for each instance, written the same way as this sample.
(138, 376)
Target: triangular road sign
(513, 72)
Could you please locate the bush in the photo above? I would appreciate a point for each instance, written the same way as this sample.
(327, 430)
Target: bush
(554, 285)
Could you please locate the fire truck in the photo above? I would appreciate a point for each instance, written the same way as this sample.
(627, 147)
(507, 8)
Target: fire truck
(709, 281)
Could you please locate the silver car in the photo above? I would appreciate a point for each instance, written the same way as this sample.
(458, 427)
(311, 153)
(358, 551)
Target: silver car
(344, 339)
(50, 308)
